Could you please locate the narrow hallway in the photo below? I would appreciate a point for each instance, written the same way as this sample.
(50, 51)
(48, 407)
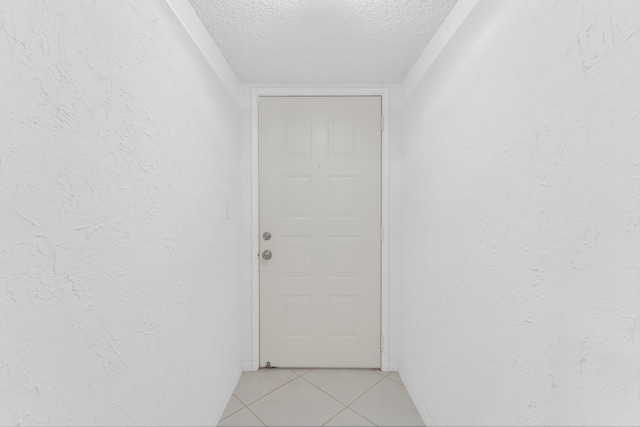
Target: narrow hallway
(505, 186)
(320, 397)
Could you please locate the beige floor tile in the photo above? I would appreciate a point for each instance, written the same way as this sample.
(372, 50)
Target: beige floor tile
(388, 404)
(243, 418)
(394, 376)
(346, 385)
(348, 418)
(300, 372)
(253, 385)
(384, 374)
(296, 404)
(234, 405)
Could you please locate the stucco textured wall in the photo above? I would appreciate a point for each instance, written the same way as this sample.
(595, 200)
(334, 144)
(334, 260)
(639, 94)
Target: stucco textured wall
(516, 219)
(119, 219)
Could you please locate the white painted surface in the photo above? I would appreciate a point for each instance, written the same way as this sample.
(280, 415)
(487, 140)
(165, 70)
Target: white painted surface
(515, 219)
(247, 238)
(119, 219)
(293, 41)
(443, 35)
(201, 37)
(391, 98)
(320, 200)
(392, 239)
(535, 81)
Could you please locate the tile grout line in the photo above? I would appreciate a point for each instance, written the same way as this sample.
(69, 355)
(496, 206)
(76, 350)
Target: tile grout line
(256, 415)
(363, 393)
(277, 388)
(325, 392)
(391, 379)
(344, 406)
(304, 379)
(249, 409)
(347, 406)
(236, 411)
(358, 413)
(300, 375)
(368, 391)
(329, 420)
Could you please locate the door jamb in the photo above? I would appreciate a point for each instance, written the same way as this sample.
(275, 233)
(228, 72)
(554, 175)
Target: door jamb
(255, 210)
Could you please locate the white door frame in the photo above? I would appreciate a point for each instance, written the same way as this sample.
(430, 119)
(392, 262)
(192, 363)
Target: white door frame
(255, 209)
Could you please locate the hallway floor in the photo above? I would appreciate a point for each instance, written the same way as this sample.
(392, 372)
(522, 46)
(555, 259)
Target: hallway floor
(320, 397)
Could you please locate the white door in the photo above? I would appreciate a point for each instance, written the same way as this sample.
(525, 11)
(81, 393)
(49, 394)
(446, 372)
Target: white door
(320, 192)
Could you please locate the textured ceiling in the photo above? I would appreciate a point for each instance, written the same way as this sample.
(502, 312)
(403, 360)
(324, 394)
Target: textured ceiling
(322, 41)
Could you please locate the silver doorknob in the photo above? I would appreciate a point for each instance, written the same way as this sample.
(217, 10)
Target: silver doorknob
(266, 254)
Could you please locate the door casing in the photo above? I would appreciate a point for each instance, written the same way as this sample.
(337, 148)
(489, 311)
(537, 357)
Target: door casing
(385, 363)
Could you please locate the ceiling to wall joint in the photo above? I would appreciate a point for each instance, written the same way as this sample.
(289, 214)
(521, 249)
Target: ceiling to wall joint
(322, 41)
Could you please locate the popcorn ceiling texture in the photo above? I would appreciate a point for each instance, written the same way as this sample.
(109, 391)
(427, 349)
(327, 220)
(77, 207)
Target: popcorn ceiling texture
(515, 211)
(329, 41)
(119, 218)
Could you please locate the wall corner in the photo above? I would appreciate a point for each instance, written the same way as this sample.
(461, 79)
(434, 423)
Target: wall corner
(445, 33)
(191, 22)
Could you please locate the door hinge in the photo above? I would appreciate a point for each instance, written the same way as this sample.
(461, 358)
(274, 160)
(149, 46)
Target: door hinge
(381, 343)
(381, 123)
(381, 233)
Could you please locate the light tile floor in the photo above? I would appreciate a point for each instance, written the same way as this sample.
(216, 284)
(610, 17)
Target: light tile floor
(320, 397)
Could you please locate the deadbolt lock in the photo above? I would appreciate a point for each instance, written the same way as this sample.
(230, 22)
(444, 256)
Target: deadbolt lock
(266, 235)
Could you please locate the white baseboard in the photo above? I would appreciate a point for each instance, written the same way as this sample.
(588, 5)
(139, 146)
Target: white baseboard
(392, 366)
(247, 365)
(413, 393)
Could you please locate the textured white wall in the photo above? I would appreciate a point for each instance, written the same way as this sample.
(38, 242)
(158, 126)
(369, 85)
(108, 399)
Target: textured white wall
(119, 219)
(516, 219)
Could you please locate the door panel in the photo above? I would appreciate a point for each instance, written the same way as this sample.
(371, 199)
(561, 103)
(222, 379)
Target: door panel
(320, 174)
